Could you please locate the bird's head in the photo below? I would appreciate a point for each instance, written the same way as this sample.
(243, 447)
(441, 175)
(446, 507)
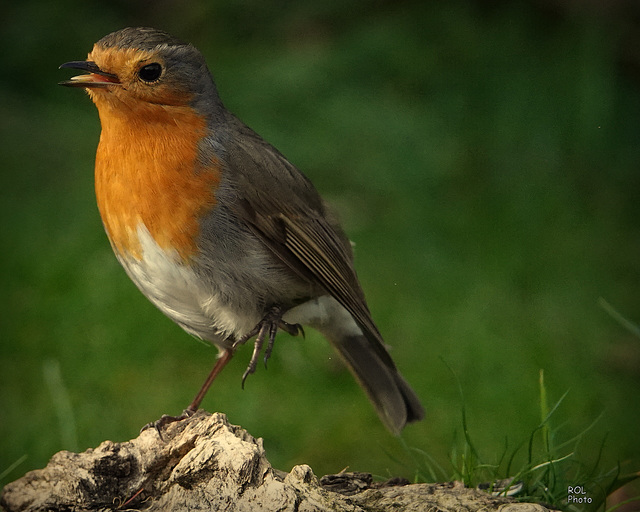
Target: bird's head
(138, 67)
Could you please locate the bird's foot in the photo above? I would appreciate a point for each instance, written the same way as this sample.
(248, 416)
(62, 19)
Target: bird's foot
(161, 423)
(266, 331)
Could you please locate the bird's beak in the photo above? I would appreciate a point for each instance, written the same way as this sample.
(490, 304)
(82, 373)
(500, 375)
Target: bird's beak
(95, 77)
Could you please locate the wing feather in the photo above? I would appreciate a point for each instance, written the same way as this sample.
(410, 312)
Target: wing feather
(288, 215)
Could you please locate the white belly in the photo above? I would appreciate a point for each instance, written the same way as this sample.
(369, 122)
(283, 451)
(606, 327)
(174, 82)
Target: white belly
(182, 295)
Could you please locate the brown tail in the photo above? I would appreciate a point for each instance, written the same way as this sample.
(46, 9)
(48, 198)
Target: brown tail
(394, 400)
(367, 359)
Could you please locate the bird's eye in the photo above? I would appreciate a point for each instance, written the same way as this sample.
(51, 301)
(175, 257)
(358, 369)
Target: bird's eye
(150, 72)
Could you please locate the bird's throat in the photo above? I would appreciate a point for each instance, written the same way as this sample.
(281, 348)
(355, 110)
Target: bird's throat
(148, 172)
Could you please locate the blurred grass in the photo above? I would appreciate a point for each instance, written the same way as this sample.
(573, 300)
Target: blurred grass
(484, 160)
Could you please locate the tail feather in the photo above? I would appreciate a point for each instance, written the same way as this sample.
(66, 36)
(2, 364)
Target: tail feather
(394, 400)
(367, 359)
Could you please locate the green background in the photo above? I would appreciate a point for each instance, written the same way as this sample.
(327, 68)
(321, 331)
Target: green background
(483, 157)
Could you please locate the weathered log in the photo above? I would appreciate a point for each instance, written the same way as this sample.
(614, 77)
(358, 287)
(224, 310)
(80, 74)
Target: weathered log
(205, 463)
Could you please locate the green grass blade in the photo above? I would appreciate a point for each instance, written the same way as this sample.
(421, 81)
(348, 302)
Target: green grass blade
(618, 317)
(13, 466)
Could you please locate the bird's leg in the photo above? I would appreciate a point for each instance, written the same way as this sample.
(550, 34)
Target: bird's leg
(267, 328)
(273, 329)
(257, 347)
(222, 361)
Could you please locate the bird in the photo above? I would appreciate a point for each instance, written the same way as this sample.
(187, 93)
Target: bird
(215, 226)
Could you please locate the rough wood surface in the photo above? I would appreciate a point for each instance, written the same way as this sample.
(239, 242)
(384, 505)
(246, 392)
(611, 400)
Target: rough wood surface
(205, 463)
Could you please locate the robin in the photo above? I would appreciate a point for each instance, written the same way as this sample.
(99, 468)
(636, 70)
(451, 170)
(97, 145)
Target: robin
(215, 226)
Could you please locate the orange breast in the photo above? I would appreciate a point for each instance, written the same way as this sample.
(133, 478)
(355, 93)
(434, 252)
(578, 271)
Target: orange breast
(147, 172)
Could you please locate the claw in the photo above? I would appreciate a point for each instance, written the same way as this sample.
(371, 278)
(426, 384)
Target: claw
(266, 330)
(273, 329)
(158, 425)
(292, 329)
(257, 347)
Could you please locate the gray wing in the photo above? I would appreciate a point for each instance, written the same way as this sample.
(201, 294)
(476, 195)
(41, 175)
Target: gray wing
(286, 212)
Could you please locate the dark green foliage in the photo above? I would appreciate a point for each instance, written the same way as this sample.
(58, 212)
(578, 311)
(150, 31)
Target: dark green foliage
(484, 158)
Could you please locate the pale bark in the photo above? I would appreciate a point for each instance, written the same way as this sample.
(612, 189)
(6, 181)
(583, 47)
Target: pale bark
(205, 463)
